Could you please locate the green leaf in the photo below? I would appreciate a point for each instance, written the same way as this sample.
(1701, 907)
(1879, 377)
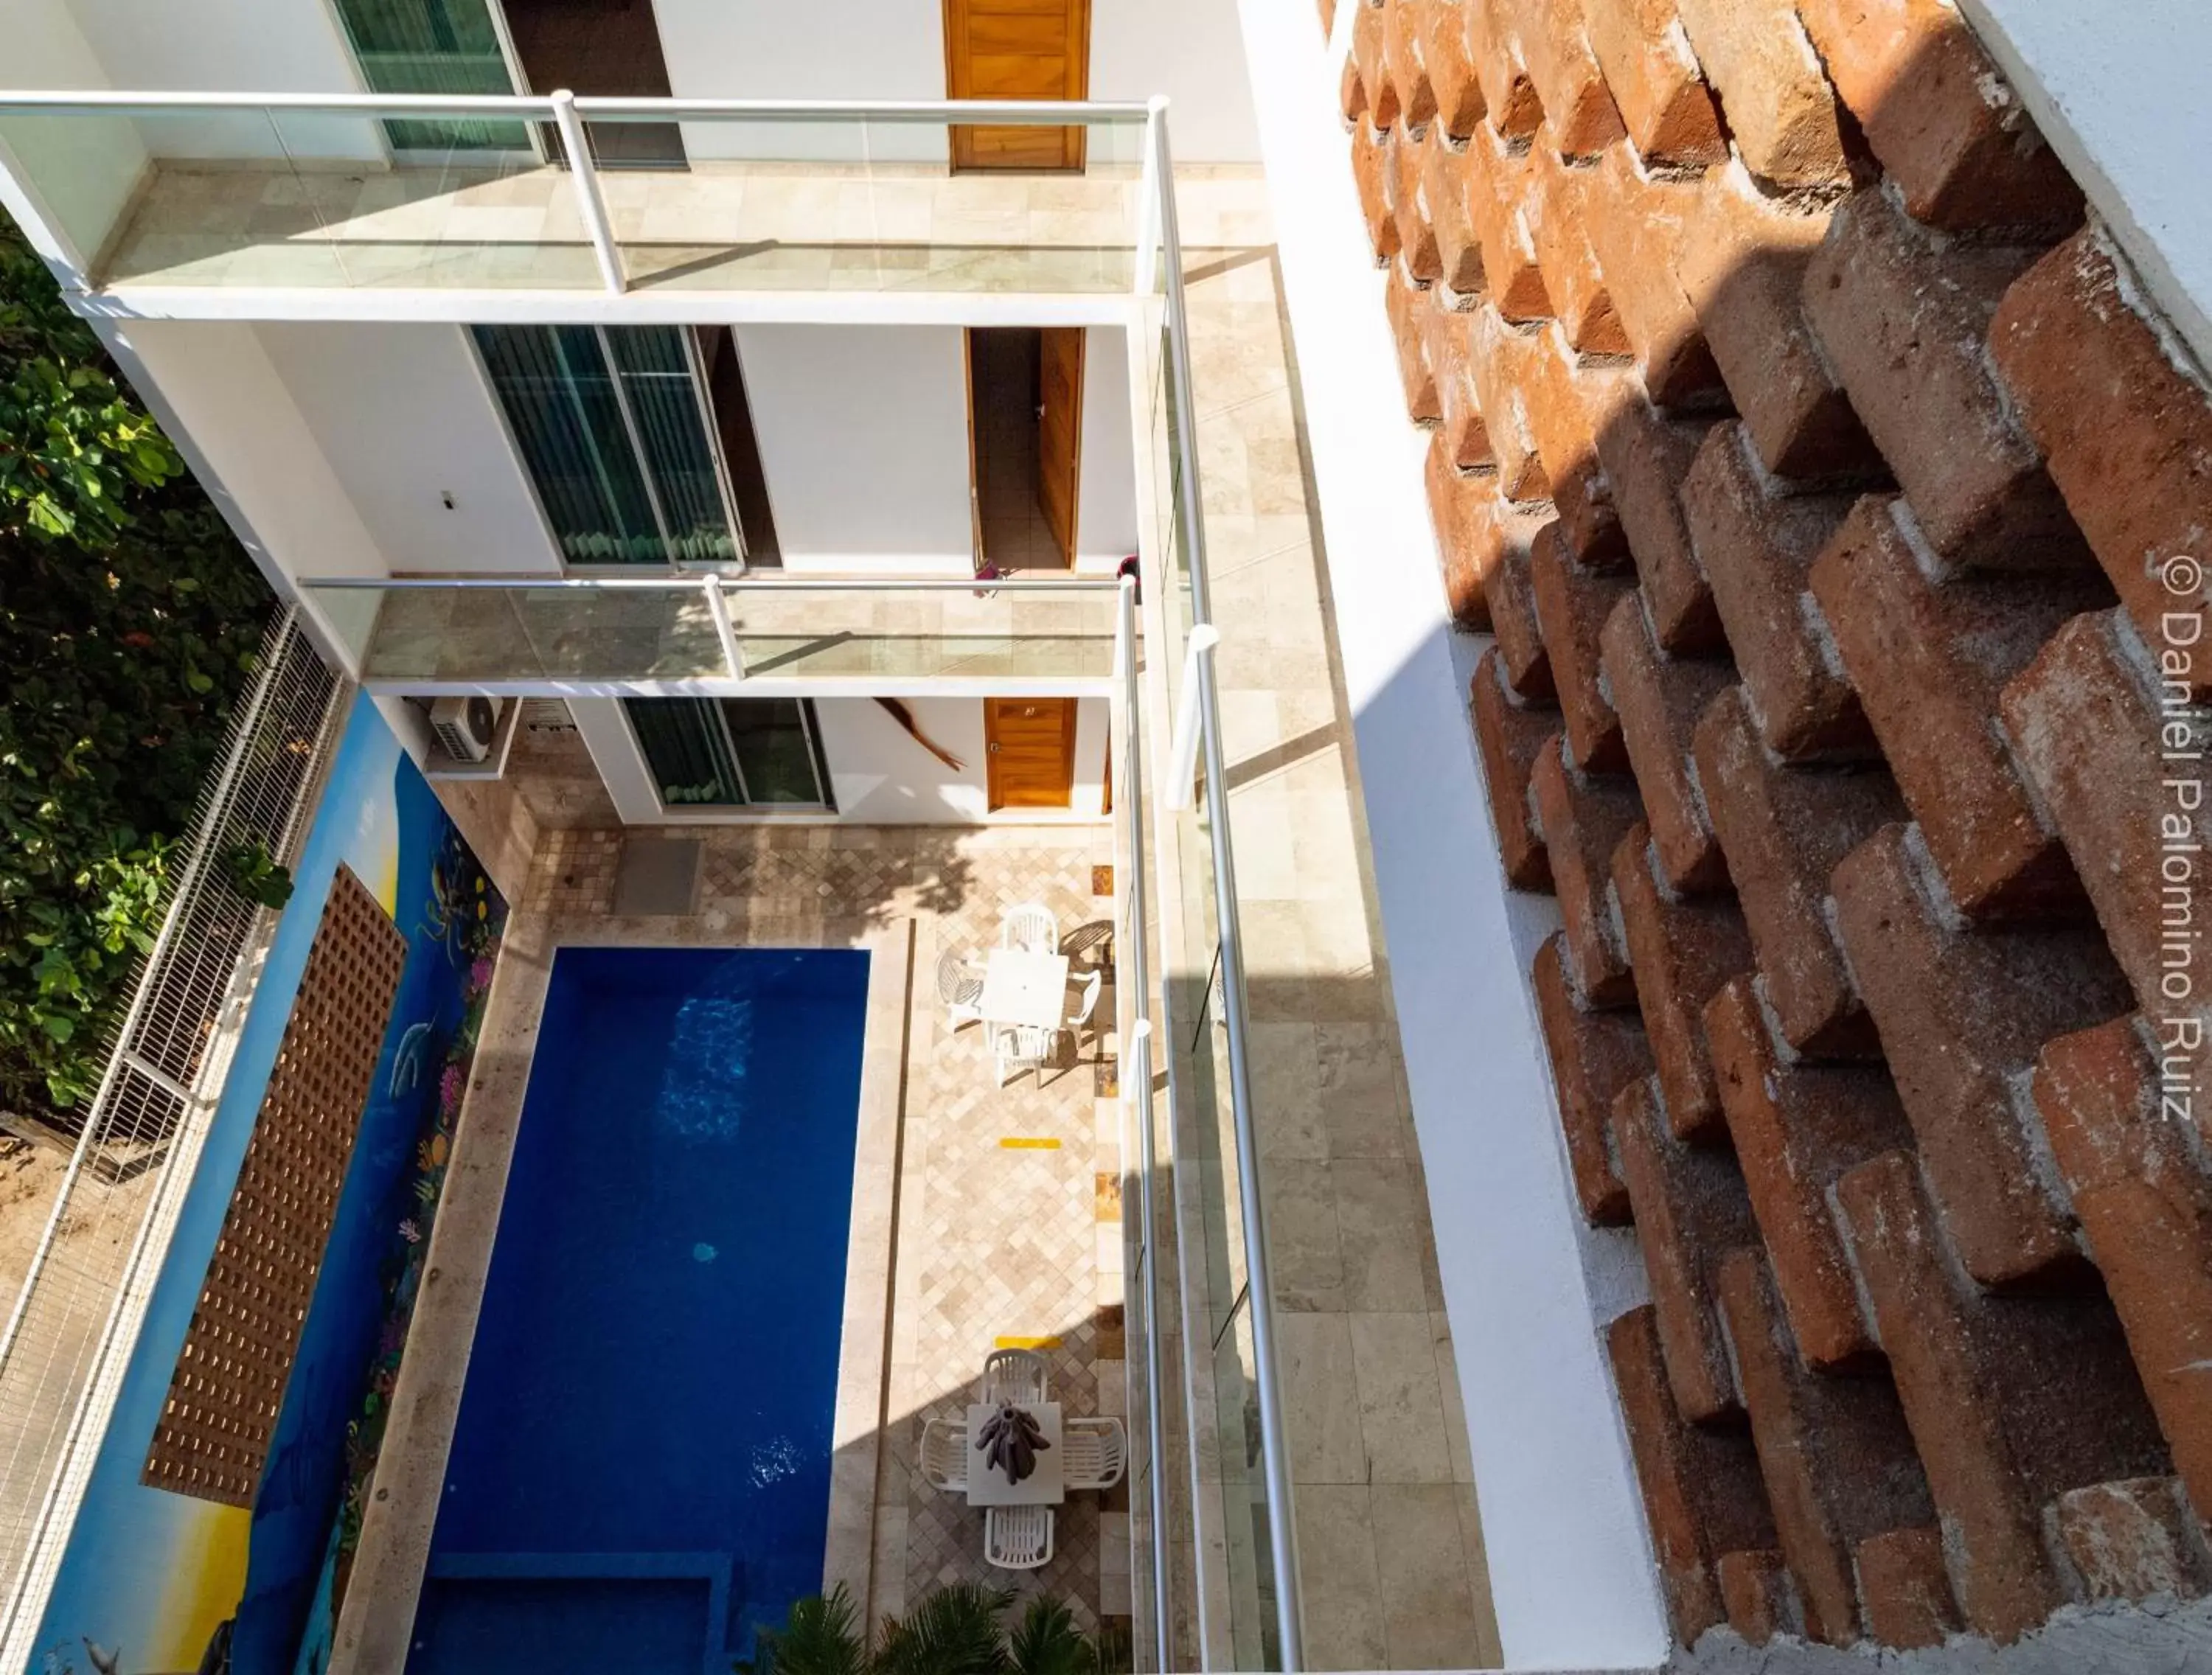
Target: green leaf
(59, 1025)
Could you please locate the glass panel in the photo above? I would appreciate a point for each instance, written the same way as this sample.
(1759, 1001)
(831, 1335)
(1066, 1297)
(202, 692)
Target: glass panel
(432, 46)
(773, 750)
(525, 632)
(664, 404)
(559, 395)
(686, 750)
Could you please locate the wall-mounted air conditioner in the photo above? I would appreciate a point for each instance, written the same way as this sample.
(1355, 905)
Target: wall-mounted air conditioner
(466, 727)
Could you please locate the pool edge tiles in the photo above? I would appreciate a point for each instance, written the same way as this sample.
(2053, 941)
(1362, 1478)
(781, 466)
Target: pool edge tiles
(375, 1627)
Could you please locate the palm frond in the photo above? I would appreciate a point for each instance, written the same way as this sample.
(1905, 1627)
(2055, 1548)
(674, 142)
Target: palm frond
(1047, 1642)
(822, 1637)
(955, 1631)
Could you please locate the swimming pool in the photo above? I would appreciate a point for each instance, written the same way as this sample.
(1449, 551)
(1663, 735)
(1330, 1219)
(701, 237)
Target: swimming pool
(640, 1473)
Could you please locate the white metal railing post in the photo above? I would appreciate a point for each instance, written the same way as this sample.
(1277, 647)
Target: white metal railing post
(1274, 1439)
(719, 608)
(1183, 746)
(593, 205)
(1138, 1084)
(1146, 266)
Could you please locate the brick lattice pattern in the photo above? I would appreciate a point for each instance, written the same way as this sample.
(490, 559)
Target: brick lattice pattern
(1814, 464)
(229, 1381)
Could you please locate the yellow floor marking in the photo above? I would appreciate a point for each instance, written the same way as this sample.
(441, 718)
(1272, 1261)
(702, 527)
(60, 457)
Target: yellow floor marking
(1028, 1143)
(1026, 1342)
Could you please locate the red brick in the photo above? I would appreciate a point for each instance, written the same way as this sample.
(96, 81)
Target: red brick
(1569, 86)
(1470, 540)
(2132, 1539)
(1418, 251)
(1409, 74)
(1552, 213)
(2087, 729)
(1761, 1600)
(1593, 1056)
(1756, 547)
(1572, 607)
(1369, 25)
(1523, 663)
(1444, 197)
(2012, 1400)
(1779, 106)
(1408, 310)
(1929, 661)
(2128, 435)
(1449, 335)
(1904, 323)
(1656, 84)
(1636, 222)
(1782, 830)
(1682, 951)
(1351, 90)
(1511, 106)
(1510, 739)
(1406, 306)
(1690, 1211)
(1741, 263)
(1798, 1127)
(2147, 1209)
(1451, 71)
(1834, 1452)
(1497, 183)
(1941, 121)
(1563, 400)
(1701, 1488)
(1906, 1588)
(1489, 355)
(1583, 816)
(1961, 1014)
(1371, 165)
(1659, 699)
(1645, 457)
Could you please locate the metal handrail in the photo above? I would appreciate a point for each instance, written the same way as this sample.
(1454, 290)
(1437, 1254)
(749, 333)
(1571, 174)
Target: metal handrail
(1274, 1455)
(1140, 1075)
(750, 583)
(538, 108)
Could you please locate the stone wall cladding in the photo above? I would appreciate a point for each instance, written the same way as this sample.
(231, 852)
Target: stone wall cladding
(1820, 474)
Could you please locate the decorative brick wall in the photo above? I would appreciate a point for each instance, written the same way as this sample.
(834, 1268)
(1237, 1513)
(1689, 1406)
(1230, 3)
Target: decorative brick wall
(1820, 476)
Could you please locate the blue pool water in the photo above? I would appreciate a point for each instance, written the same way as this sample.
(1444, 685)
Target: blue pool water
(640, 1471)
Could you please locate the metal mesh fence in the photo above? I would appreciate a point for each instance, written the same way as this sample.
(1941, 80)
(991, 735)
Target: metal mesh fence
(69, 1334)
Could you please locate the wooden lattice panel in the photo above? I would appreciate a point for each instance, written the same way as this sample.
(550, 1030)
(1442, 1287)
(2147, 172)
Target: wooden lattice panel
(214, 1431)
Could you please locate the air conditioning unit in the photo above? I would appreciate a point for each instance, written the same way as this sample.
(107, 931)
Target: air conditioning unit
(465, 726)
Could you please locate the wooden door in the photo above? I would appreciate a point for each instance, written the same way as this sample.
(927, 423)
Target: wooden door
(1030, 744)
(1060, 432)
(1016, 49)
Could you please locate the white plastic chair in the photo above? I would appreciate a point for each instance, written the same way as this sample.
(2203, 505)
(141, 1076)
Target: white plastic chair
(960, 987)
(1017, 1047)
(1030, 927)
(1087, 1001)
(1015, 1375)
(945, 1456)
(1018, 1538)
(1097, 1453)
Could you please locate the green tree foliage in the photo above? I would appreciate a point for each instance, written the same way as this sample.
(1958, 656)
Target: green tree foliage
(960, 1629)
(129, 619)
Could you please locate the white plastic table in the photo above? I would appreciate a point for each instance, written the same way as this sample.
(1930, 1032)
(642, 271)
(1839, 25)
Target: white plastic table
(1047, 1486)
(1024, 988)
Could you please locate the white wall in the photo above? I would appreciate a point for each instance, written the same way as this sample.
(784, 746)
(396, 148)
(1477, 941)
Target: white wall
(1526, 1283)
(70, 175)
(1106, 500)
(864, 438)
(403, 415)
(2118, 91)
(1188, 49)
(880, 775)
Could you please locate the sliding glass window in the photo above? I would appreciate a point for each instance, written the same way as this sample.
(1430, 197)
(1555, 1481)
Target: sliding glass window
(449, 46)
(724, 753)
(613, 427)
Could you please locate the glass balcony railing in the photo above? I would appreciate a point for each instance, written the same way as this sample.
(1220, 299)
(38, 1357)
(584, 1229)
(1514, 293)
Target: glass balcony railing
(433, 192)
(493, 633)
